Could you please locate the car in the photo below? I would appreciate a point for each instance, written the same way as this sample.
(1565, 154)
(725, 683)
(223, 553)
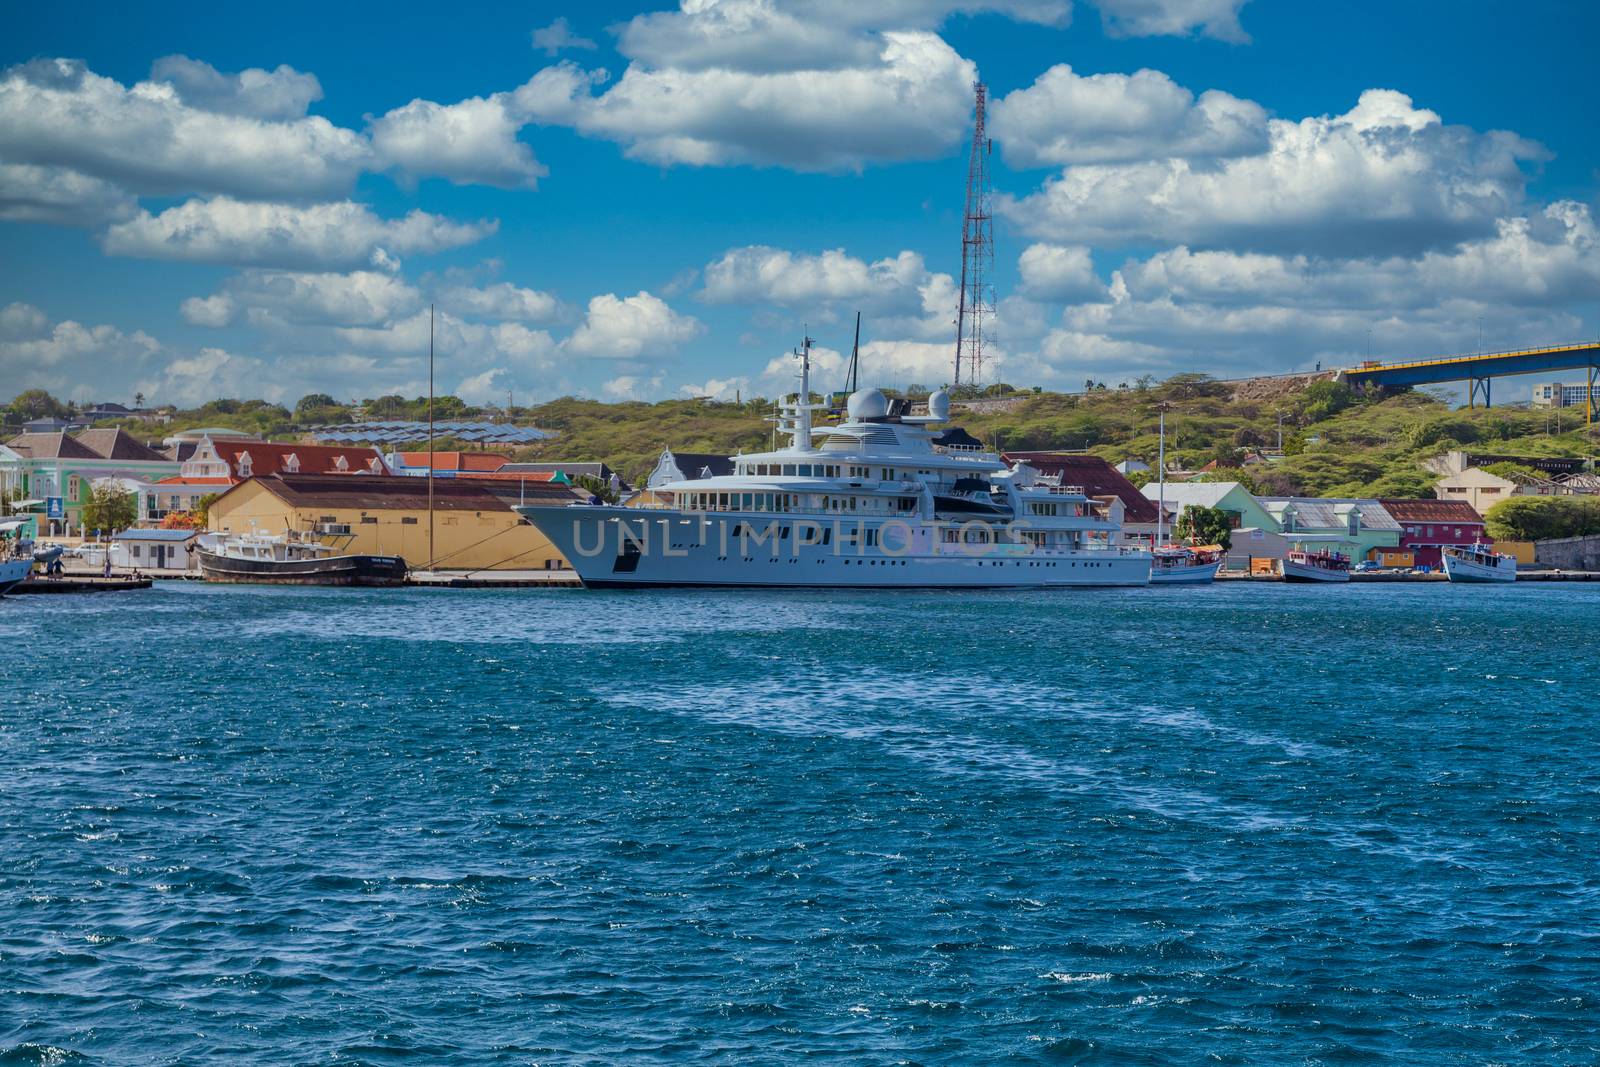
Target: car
(1367, 565)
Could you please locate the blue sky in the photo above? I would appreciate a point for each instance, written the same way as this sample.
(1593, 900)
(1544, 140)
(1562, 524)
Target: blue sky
(622, 201)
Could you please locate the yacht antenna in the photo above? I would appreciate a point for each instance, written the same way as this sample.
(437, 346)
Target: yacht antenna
(852, 382)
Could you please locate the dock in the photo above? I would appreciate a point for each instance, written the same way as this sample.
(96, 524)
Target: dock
(1406, 578)
(78, 584)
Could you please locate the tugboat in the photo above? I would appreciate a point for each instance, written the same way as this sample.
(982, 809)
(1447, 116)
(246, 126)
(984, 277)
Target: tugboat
(285, 559)
(1478, 563)
(1320, 566)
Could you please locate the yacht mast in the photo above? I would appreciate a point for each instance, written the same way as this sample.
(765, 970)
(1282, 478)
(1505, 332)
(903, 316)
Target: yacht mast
(1161, 484)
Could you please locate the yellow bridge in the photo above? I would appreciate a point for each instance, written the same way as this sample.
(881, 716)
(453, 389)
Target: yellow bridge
(1480, 369)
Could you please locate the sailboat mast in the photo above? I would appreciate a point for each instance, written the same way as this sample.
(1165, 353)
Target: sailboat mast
(1161, 484)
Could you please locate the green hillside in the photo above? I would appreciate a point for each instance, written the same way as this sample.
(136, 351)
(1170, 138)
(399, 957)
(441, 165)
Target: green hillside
(1336, 443)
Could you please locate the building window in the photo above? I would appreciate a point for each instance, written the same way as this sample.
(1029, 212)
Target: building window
(369, 518)
(408, 520)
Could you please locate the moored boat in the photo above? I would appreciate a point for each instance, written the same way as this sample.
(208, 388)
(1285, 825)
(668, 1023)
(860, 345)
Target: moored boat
(1321, 566)
(878, 500)
(288, 560)
(1182, 565)
(16, 555)
(1478, 563)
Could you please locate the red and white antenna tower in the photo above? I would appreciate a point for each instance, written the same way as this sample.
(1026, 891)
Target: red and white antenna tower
(977, 254)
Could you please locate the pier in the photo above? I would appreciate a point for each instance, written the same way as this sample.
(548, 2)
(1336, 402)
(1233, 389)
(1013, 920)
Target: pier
(78, 584)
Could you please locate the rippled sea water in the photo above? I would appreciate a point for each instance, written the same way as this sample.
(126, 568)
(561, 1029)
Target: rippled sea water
(1228, 825)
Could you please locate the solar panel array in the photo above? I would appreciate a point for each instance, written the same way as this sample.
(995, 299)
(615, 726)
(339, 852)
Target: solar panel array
(402, 432)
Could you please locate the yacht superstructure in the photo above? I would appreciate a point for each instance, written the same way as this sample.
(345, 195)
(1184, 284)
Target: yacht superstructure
(880, 499)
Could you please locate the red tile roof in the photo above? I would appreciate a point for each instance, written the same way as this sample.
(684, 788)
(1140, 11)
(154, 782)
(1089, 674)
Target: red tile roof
(1098, 478)
(507, 476)
(268, 457)
(402, 493)
(457, 461)
(1453, 511)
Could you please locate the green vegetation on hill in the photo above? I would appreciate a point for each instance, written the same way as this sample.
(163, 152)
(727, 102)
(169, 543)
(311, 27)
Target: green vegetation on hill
(1335, 441)
(1535, 518)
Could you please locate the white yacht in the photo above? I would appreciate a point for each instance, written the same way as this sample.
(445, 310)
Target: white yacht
(880, 499)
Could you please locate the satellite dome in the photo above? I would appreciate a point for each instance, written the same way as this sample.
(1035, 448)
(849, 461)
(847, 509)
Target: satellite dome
(867, 404)
(939, 405)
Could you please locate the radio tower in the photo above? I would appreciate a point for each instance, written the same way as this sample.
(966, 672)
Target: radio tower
(977, 254)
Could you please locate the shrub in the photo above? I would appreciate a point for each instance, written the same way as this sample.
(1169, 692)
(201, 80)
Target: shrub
(1539, 518)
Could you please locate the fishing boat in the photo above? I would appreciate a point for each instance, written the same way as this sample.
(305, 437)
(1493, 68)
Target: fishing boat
(1323, 565)
(1183, 565)
(1177, 564)
(287, 559)
(1478, 563)
(881, 499)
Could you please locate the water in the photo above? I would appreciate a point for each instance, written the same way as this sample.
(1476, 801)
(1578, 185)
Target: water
(1229, 825)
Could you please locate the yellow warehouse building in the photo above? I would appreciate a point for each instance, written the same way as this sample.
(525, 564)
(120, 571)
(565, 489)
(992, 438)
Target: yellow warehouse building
(474, 527)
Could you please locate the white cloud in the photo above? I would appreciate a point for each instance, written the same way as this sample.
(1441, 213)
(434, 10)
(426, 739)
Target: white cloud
(342, 234)
(641, 326)
(631, 387)
(61, 196)
(215, 311)
(473, 141)
(735, 388)
(210, 373)
(760, 274)
(1153, 18)
(1065, 118)
(1383, 177)
(503, 301)
(94, 350)
(1060, 273)
(19, 321)
(909, 102)
(558, 36)
(281, 94)
(57, 113)
(359, 298)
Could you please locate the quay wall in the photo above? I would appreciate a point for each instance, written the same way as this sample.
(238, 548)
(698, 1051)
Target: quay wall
(1569, 553)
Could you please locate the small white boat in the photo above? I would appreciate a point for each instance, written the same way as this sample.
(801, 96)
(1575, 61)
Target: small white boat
(1478, 563)
(1180, 565)
(1321, 566)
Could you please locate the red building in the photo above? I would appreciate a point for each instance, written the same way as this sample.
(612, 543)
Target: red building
(1426, 526)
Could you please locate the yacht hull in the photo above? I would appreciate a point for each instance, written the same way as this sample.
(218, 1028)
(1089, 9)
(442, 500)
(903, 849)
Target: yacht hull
(1189, 574)
(1466, 570)
(334, 570)
(627, 548)
(12, 572)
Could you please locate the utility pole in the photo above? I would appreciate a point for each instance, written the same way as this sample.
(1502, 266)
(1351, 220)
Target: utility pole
(430, 439)
(976, 299)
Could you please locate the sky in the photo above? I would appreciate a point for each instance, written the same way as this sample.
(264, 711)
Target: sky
(637, 202)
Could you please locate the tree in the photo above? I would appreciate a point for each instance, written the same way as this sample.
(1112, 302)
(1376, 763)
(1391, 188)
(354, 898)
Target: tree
(1205, 526)
(1539, 518)
(1513, 471)
(110, 508)
(138, 401)
(202, 510)
(1325, 399)
(37, 404)
(589, 483)
(311, 402)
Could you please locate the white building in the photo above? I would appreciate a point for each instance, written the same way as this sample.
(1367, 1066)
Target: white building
(1563, 394)
(154, 550)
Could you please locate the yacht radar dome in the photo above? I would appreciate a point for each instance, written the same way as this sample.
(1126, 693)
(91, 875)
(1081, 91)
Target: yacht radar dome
(867, 404)
(939, 405)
